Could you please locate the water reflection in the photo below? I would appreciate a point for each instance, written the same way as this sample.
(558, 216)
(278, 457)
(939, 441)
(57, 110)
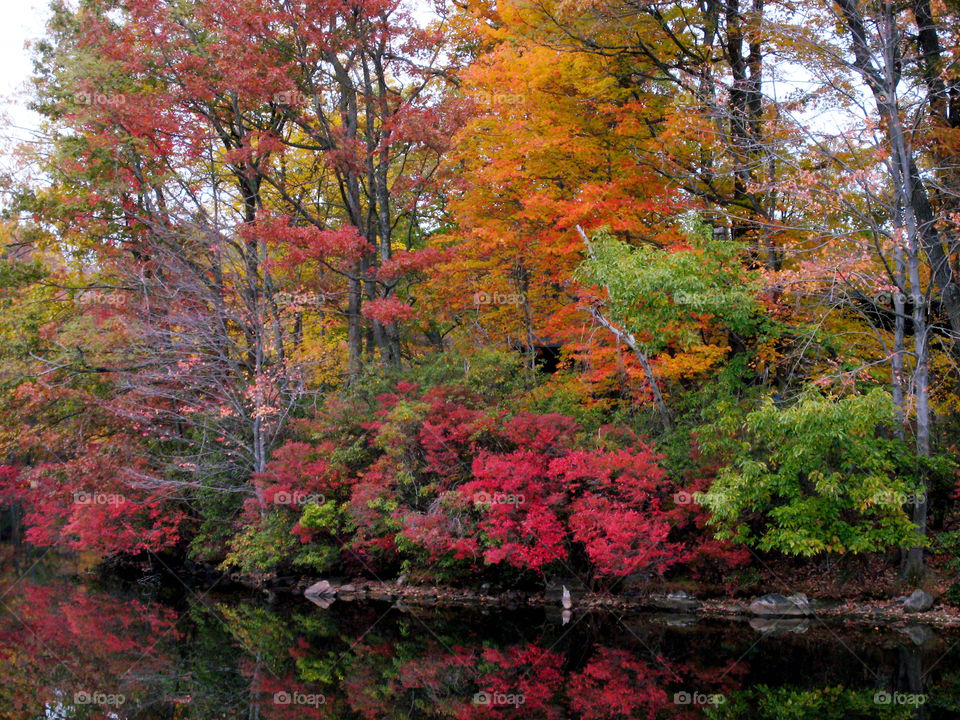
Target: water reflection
(94, 648)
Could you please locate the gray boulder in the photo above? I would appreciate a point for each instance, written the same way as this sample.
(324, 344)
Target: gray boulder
(918, 601)
(348, 592)
(321, 593)
(683, 600)
(777, 605)
(679, 601)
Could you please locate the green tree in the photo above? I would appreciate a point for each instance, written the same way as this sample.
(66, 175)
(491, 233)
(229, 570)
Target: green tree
(654, 297)
(823, 475)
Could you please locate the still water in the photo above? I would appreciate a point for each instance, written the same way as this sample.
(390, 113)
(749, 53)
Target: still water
(75, 643)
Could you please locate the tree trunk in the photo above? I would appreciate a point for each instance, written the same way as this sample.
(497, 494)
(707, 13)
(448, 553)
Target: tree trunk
(630, 341)
(899, 334)
(913, 215)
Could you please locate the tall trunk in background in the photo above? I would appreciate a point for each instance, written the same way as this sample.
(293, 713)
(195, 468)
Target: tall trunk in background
(899, 335)
(880, 69)
(744, 55)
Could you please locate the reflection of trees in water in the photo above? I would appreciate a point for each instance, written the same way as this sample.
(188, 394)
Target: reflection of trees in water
(450, 665)
(208, 658)
(60, 643)
(438, 665)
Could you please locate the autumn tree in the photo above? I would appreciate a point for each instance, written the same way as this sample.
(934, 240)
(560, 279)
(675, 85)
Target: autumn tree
(239, 182)
(551, 144)
(884, 69)
(715, 131)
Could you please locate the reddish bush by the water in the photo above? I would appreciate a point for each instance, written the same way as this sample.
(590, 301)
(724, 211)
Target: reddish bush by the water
(447, 481)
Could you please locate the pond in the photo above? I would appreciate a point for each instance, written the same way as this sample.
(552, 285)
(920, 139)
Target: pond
(78, 643)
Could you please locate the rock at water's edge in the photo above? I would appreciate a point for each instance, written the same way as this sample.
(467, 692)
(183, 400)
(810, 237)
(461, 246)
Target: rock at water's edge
(919, 601)
(776, 604)
(679, 601)
(321, 593)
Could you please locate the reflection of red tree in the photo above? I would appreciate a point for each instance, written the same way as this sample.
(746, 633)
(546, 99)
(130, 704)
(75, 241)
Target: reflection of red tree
(524, 670)
(286, 698)
(445, 682)
(614, 684)
(57, 639)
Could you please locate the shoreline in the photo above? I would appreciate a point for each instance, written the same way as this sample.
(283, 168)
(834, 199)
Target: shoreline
(852, 611)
